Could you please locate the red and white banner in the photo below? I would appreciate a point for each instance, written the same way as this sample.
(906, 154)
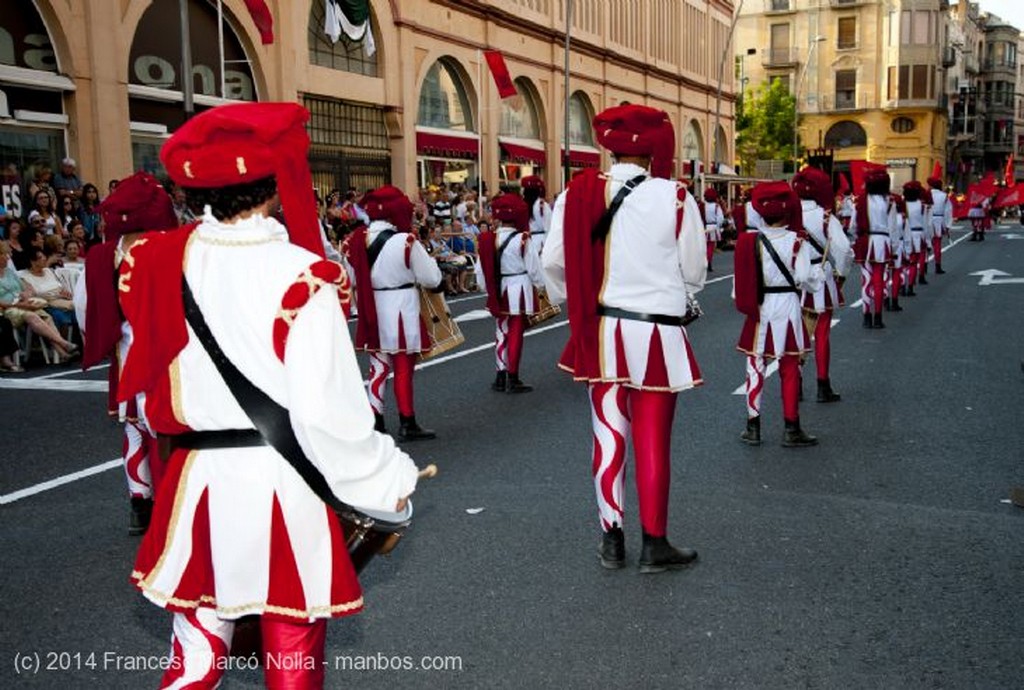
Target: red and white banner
(1010, 196)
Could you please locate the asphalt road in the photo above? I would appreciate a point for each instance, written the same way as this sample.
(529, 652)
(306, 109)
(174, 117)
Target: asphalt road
(886, 557)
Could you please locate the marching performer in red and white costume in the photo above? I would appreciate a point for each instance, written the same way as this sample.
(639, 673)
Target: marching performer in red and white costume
(898, 247)
(942, 219)
(388, 257)
(534, 193)
(873, 224)
(628, 270)
(830, 249)
(714, 219)
(510, 271)
(236, 529)
(139, 203)
(773, 266)
(919, 227)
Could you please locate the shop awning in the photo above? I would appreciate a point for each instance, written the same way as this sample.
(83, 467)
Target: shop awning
(522, 153)
(583, 157)
(446, 145)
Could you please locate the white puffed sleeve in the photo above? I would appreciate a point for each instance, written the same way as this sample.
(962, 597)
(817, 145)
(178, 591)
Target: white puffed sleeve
(553, 257)
(331, 415)
(692, 248)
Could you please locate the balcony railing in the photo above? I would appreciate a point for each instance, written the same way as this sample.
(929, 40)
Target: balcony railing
(992, 63)
(778, 57)
(830, 102)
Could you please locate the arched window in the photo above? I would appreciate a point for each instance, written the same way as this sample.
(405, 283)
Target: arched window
(581, 118)
(520, 116)
(845, 134)
(693, 142)
(444, 102)
(345, 55)
(723, 145)
(902, 125)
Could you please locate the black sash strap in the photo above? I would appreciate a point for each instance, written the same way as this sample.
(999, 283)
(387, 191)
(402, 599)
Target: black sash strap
(375, 248)
(663, 319)
(767, 244)
(814, 243)
(272, 421)
(223, 438)
(501, 251)
(604, 224)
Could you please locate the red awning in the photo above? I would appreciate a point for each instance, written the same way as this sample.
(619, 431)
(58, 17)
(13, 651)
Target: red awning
(517, 153)
(582, 159)
(446, 145)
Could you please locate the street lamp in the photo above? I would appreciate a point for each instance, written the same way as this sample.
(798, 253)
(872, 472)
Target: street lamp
(796, 97)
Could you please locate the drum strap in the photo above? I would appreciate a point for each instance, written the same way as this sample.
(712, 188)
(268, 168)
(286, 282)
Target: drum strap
(270, 419)
(767, 244)
(604, 223)
(498, 254)
(375, 248)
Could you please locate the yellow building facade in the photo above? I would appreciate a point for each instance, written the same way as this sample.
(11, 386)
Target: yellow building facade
(868, 76)
(101, 80)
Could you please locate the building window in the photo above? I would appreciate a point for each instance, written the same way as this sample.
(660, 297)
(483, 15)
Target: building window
(845, 134)
(780, 5)
(581, 114)
(443, 100)
(349, 144)
(346, 55)
(919, 87)
(846, 88)
(902, 125)
(847, 33)
(779, 44)
(519, 115)
(785, 79)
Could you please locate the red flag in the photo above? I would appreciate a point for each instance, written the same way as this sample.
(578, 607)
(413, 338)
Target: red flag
(263, 19)
(1011, 196)
(858, 169)
(1008, 174)
(979, 191)
(960, 207)
(937, 170)
(499, 70)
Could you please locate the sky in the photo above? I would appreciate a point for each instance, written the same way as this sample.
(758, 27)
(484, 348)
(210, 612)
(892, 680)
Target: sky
(1010, 10)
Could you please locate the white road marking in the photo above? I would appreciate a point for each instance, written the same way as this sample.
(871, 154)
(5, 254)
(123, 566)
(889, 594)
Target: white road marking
(59, 481)
(473, 315)
(44, 384)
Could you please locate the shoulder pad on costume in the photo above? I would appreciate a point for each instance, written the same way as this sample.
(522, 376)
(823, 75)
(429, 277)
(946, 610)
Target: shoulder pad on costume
(299, 293)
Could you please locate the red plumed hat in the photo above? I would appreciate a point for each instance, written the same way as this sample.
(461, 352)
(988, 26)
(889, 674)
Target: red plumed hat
(510, 208)
(138, 203)
(710, 195)
(775, 201)
(533, 182)
(389, 203)
(637, 130)
(242, 143)
(815, 184)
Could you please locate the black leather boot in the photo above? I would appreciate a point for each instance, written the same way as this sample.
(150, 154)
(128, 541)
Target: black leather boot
(500, 382)
(903, 290)
(517, 386)
(138, 518)
(795, 437)
(867, 321)
(896, 304)
(825, 392)
(938, 269)
(910, 292)
(878, 321)
(378, 423)
(752, 435)
(409, 430)
(613, 549)
(658, 555)
(921, 280)
(887, 304)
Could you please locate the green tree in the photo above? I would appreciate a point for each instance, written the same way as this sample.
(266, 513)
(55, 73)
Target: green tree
(765, 125)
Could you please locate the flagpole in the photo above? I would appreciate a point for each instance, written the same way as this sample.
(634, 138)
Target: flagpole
(220, 45)
(480, 130)
(568, 30)
(186, 60)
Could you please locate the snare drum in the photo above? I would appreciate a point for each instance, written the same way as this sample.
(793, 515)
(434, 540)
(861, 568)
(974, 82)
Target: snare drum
(545, 310)
(370, 533)
(445, 333)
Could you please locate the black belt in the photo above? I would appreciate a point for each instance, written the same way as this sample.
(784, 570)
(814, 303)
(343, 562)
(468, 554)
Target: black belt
(404, 286)
(224, 438)
(883, 234)
(773, 290)
(663, 319)
(509, 275)
(818, 260)
(917, 229)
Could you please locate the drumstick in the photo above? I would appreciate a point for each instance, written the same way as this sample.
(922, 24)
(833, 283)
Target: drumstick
(428, 472)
